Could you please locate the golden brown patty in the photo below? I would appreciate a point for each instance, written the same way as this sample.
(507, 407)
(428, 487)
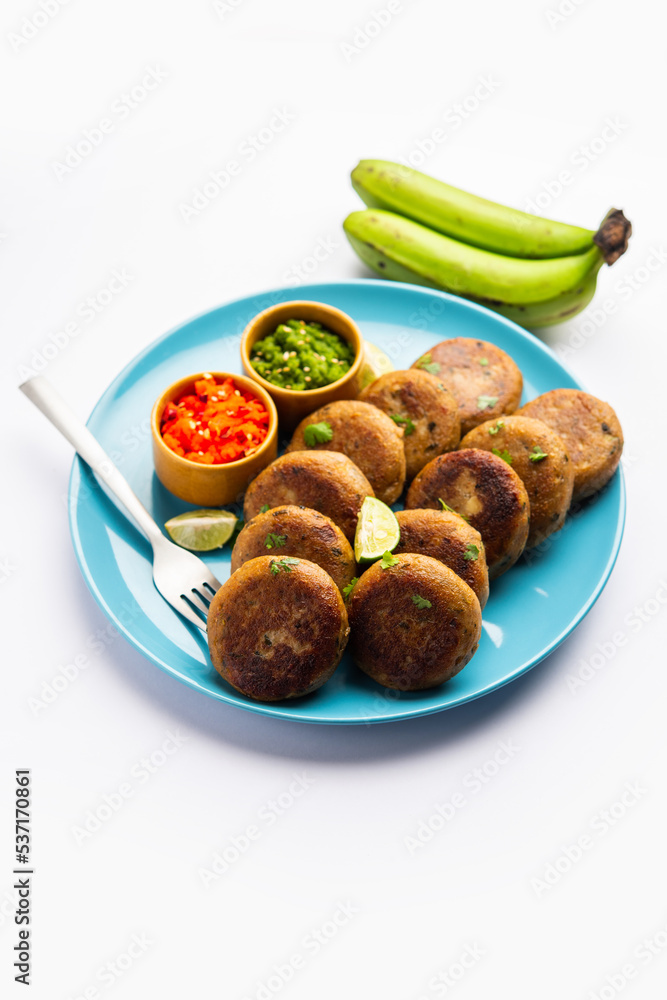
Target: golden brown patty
(487, 492)
(367, 436)
(415, 624)
(424, 408)
(277, 630)
(484, 380)
(590, 430)
(326, 481)
(301, 532)
(449, 539)
(548, 480)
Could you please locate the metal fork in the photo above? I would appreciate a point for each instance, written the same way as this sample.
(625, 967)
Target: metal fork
(183, 579)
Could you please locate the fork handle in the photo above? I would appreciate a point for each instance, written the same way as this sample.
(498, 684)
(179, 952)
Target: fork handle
(40, 392)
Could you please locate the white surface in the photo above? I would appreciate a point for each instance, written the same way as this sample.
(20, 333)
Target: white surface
(343, 839)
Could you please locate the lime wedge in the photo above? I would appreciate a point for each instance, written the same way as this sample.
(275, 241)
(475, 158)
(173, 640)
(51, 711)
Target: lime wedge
(375, 363)
(202, 530)
(377, 531)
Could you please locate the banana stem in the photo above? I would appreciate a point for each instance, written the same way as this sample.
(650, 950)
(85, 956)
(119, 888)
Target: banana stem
(613, 235)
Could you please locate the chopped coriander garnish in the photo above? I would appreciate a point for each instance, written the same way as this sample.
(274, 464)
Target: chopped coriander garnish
(285, 563)
(471, 553)
(317, 433)
(504, 454)
(263, 509)
(350, 587)
(398, 419)
(484, 361)
(537, 454)
(388, 560)
(275, 541)
(486, 402)
(421, 602)
(499, 424)
(432, 367)
(450, 510)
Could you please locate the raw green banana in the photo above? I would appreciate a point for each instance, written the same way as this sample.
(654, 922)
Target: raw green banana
(531, 292)
(464, 216)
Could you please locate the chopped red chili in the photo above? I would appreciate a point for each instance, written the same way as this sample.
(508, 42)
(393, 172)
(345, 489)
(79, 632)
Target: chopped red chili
(216, 424)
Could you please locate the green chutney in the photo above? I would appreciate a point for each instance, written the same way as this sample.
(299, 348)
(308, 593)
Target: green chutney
(300, 355)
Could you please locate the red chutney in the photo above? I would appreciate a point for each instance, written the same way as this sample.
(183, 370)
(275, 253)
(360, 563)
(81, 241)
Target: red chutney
(216, 424)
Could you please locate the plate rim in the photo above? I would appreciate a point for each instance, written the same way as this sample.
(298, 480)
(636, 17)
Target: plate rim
(275, 709)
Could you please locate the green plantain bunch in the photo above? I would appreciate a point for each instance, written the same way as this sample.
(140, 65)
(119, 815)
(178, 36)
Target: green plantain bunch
(532, 270)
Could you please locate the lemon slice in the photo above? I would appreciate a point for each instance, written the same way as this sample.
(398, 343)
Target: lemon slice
(202, 530)
(375, 363)
(377, 531)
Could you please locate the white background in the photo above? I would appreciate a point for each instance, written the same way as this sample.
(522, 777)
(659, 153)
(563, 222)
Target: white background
(552, 83)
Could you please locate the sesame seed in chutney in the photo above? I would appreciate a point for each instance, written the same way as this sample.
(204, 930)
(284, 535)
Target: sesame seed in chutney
(301, 355)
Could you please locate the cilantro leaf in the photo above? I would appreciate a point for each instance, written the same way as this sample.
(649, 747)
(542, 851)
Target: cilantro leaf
(421, 602)
(471, 553)
(499, 424)
(317, 433)
(486, 402)
(285, 563)
(538, 454)
(425, 362)
(350, 587)
(398, 419)
(388, 560)
(275, 541)
(263, 509)
(450, 510)
(504, 454)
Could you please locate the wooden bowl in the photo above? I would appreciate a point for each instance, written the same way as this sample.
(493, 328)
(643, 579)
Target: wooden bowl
(210, 485)
(294, 404)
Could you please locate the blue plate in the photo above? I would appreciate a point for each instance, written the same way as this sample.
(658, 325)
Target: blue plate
(532, 608)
